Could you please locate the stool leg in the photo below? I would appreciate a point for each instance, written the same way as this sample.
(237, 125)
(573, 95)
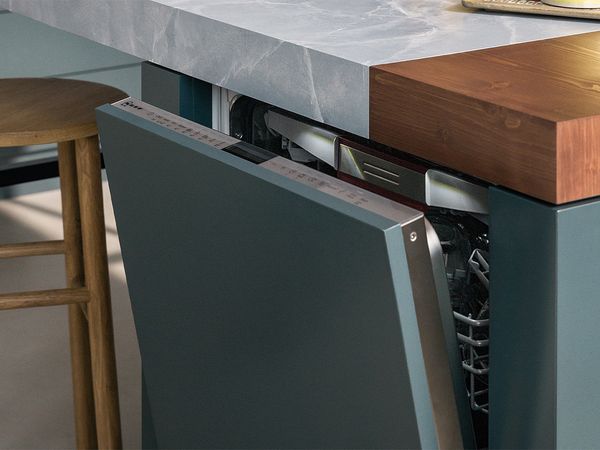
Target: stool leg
(104, 373)
(85, 423)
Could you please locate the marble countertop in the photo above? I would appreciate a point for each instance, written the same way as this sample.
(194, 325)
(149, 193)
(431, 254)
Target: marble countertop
(311, 57)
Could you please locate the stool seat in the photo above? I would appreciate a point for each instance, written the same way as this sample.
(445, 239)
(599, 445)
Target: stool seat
(49, 110)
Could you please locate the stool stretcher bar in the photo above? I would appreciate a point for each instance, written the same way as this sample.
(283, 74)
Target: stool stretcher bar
(44, 298)
(32, 249)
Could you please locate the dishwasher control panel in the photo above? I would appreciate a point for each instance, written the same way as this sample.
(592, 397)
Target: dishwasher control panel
(176, 123)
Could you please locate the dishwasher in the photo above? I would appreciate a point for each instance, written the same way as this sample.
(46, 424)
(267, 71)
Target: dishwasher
(295, 287)
(455, 207)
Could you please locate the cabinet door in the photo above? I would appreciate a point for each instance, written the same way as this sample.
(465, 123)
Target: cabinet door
(275, 307)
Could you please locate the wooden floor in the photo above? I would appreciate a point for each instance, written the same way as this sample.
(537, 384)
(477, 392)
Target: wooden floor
(35, 381)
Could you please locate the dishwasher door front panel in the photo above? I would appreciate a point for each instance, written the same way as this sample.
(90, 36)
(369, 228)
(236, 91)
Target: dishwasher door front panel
(271, 314)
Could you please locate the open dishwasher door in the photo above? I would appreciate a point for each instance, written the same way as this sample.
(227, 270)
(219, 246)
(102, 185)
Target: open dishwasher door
(276, 307)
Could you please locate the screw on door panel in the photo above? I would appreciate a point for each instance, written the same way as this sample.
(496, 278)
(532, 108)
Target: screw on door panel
(413, 236)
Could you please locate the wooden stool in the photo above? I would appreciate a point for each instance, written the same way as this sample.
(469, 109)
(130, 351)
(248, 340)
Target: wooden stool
(41, 111)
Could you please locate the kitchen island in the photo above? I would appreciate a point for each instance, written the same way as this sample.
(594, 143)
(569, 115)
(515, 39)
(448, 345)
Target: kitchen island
(317, 59)
(311, 58)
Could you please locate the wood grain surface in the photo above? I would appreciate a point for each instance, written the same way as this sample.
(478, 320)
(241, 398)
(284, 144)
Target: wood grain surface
(99, 311)
(524, 116)
(34, 299)
(79, 334)
(48, 110)
(32, 249)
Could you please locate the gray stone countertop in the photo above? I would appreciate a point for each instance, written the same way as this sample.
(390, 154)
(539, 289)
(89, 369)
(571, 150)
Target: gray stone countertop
(311, 57)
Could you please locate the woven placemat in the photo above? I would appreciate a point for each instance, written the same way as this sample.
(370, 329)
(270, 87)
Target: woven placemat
(531, 7)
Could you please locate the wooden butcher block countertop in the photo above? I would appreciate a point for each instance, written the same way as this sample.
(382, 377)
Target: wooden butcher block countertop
(524, 116)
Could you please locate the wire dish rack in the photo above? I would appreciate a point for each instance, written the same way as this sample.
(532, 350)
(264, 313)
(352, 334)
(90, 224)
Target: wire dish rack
(473, 336)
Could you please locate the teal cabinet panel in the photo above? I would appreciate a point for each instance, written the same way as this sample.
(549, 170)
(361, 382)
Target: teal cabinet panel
(545, 306)
(177, 93)
(577, 325)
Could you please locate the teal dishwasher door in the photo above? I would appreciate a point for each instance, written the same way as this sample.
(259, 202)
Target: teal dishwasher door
(276, 307)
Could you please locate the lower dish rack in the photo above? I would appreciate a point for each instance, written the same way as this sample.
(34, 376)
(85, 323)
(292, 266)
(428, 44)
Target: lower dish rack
(473, 336)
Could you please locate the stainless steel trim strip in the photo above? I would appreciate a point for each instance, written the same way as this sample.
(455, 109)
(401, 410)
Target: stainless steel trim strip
(417, 243)
(371, 174)
(406, 182)
(387, 172)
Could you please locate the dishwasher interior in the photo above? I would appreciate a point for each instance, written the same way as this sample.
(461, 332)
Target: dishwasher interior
(454, 206)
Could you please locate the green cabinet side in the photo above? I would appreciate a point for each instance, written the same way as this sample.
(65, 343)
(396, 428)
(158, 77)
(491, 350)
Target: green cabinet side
(545, 303)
